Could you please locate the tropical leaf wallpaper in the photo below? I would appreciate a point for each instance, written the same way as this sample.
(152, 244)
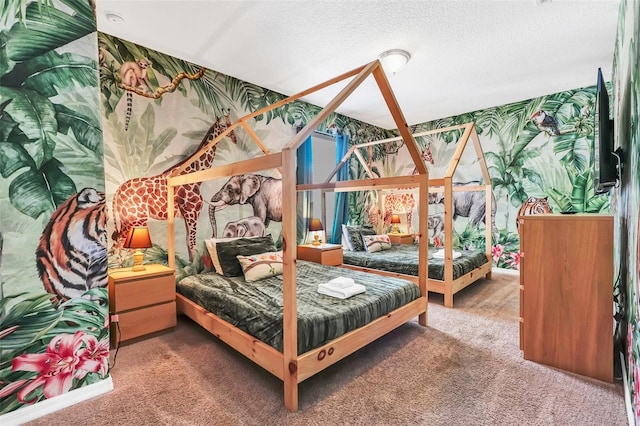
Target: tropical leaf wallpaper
(154, 119)
(88, 120)
(626, 115)
(541, 148)
(54, 335)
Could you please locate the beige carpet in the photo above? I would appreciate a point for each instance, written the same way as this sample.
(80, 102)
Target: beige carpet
(465, 368)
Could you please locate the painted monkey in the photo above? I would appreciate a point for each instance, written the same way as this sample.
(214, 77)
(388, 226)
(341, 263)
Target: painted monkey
(134, 74)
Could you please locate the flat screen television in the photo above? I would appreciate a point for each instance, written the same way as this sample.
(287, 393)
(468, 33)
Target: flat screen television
(605, 164)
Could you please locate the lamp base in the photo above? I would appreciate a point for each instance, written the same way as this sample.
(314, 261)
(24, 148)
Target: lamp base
(395, 230)
(315, 241)
(138, 257)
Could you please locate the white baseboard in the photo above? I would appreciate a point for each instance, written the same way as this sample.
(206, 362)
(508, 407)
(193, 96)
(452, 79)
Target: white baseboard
(627, 394)
(48, 406)
(506, 271)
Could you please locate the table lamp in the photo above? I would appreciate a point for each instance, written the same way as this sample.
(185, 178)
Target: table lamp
(138, 238)
(315, 225)
(395, 220)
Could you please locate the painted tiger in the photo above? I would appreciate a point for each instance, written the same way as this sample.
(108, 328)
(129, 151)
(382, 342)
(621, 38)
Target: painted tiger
(533, 205)
(72, 253)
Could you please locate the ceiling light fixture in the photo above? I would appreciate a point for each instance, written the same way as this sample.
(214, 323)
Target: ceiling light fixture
(394, 60)
(113, 17)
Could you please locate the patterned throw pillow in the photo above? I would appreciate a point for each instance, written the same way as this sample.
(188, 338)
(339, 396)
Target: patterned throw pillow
(355, 234)
(374, 243)
(207, 262)
(262, 265)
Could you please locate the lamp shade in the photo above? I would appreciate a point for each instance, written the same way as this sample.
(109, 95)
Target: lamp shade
(315, 225)
(138, 237)
(395, 218)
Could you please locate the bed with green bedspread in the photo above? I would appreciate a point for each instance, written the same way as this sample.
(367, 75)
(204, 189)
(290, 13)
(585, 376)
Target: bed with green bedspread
(256, 307)
(403, 259)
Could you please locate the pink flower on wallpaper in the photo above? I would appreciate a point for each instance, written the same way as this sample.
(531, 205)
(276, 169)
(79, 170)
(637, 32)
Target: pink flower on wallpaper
(55, 367)
(67, 357)
(636, 387)
(94, 357)
(497, 251)
(515, 262)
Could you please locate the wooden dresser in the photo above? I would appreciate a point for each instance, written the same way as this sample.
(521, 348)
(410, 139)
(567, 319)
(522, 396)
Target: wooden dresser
(566, 292)
(144, 301)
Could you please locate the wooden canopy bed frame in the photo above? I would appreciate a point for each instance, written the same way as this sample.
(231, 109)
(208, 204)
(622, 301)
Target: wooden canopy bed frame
(291, 367)
(448, 286)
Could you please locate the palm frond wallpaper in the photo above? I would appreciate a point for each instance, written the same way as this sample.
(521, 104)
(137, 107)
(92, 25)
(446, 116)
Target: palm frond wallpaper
(91, 126)
(54, 334)
(148, 133)
(539, 148)
(626, 201)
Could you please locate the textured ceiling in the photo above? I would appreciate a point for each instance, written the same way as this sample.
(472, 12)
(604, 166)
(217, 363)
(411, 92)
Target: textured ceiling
(466, 55)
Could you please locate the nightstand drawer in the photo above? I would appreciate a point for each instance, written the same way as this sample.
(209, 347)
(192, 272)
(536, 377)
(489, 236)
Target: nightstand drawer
(145, 321)
(325, 254)
(145, 301)
(401, 238)
(148, 291)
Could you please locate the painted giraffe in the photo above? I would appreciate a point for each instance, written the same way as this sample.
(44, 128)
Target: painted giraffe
(393, 203)
(143, 198)
(427, 157)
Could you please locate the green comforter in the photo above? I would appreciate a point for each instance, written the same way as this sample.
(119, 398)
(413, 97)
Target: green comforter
(403, 259)
(256, 307)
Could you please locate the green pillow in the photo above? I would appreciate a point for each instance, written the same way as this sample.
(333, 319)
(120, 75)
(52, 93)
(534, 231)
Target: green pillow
(228, 250)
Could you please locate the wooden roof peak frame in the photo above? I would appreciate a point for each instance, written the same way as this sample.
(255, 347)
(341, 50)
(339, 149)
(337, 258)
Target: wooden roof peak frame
(289, 366)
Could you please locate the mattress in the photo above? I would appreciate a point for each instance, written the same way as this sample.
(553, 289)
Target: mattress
(403, 259)
(257, 309)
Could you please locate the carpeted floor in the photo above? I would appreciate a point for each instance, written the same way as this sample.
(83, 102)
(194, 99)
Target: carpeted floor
(464, 369)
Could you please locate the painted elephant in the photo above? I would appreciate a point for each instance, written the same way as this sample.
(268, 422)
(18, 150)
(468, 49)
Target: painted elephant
(470, 204)
(436, 222)
(251, 226)
(262, 192)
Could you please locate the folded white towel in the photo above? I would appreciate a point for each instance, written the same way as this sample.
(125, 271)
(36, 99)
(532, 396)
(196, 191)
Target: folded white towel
(341, 293)
(342, 282)
(440, 254)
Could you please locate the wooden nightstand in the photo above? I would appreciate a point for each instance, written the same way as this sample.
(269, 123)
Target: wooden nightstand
(326, 254)
(145, 301)
(401, 238)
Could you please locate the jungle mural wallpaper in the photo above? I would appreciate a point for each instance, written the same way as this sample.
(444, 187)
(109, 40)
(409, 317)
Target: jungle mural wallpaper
(539, 156)
(626, 115)
(159, 110)
(78, 152)
(53, 295)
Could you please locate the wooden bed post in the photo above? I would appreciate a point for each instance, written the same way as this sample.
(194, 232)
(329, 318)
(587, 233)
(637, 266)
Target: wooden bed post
(448, 242)
(171, 246)
(423, 246)
(489, 200)
(289, 300)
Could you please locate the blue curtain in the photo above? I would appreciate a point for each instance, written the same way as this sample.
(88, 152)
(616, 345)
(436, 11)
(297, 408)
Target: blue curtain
(304, 173)
(341, 212)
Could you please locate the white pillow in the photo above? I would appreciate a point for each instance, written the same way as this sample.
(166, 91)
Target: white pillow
(262, 265)
(213, 253)
(374, 243)
(346, 241)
